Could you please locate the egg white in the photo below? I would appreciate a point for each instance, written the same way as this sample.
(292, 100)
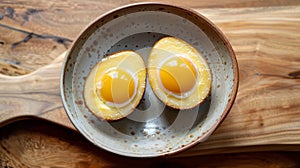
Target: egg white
(132, 63)
(167, 48)
(181, 95)
(119, 105)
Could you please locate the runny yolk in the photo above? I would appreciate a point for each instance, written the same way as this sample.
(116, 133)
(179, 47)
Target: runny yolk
(116, 86)
(178, 75)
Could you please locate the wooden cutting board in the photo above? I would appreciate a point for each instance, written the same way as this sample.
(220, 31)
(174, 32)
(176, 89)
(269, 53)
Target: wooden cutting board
(266, 41)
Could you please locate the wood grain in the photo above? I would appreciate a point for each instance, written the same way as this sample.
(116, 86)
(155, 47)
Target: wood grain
(65, 19)
(265, 36)
(33, 147)
(267, 108)
(267, 52)
(33, 95)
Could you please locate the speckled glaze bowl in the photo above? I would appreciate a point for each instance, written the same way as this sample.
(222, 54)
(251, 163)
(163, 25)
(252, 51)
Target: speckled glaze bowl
(153, 129)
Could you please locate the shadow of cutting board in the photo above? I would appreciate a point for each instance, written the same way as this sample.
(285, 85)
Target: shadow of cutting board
(267, 108)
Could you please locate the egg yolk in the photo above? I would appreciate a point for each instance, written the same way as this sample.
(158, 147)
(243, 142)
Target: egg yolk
(178, 75)
(116, 86)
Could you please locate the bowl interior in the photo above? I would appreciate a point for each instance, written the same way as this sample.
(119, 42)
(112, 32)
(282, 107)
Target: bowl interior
(153, 129)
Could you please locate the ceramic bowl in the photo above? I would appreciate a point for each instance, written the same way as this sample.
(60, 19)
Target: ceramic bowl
(153, 129)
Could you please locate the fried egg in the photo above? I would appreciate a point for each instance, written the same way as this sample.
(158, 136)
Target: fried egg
(115, 85)
(178, 74)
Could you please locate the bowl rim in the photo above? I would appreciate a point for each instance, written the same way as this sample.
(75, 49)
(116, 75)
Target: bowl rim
(218, 32)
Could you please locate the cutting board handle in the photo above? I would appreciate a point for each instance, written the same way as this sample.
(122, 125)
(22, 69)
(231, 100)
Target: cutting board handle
(33, 95)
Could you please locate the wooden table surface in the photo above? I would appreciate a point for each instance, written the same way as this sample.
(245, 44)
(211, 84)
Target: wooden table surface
(265, 36)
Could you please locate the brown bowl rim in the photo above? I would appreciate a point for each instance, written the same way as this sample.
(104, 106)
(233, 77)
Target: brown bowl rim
(219, 33)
